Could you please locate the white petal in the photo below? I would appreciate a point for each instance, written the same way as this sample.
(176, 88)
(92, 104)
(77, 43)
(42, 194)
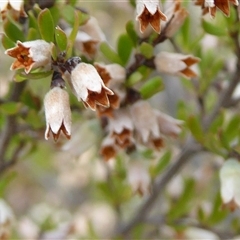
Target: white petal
(151, 5)
(169, 62)
(85, 77)
(120, 121)
(57, 110)
(16, 4)
(145, 125)
(3, 4)
(198, 233)
(230, 178)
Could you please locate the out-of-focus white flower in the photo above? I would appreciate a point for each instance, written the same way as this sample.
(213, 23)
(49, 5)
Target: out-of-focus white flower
(109, 148)
(121, 128)
(6, 220)
(113, 76)
(211, 6)
(146, 123)
(176, 15)
(176, 64)
(168, 125)
(14, 6)
(27, 228)
(30, 55)
(88, 86)
(175, 186)
(138, 177)
(230, 183)
(111, 72)
(89, 37)
(209, 3)
(60, 233)
(193, 233)
(148, 12)
(57, 113)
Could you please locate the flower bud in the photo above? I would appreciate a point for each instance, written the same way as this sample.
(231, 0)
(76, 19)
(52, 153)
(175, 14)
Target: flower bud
(30, 55)
(57, 113)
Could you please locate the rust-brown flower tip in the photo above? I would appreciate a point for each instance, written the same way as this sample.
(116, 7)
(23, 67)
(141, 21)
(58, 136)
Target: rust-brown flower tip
(148, 12)
(88, 86)
(30, 55)
(211, 6)
(176, 64)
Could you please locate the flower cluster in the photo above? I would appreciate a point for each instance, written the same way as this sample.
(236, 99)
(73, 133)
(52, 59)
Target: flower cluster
(83, 78)
(132, 126)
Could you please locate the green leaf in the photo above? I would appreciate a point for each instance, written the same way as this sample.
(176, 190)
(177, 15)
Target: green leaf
(146, 49)
(22, 76)
(133, 3)
(30, 100)
(5, 180)
(232, 129)
(68, 13)
(217, 214)
(46, 25)
(162, 164)
(132, 33)
(185, 32)
(151, 87)
(61, 39)
(195, 127)
(32, 34)
(213, 29)
(13, 31)
(134, 78)
(125, 46)
(217, 123)
(109, 53)
(73, 34)
(55, 14)
(10, 108)
(32, 20)
(182, 205)
(33, 119)
(7, 42)
(72, 2)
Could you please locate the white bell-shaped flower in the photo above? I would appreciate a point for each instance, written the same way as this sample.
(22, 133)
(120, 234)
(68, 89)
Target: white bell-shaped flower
(230, 183)
(57, 113)
(88, 86)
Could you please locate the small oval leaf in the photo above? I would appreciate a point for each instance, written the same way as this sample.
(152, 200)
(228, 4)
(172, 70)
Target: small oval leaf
(212, 29)
(151, 87)
(61, 38)
(46, 25)
(109, 53)
(13, 31)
